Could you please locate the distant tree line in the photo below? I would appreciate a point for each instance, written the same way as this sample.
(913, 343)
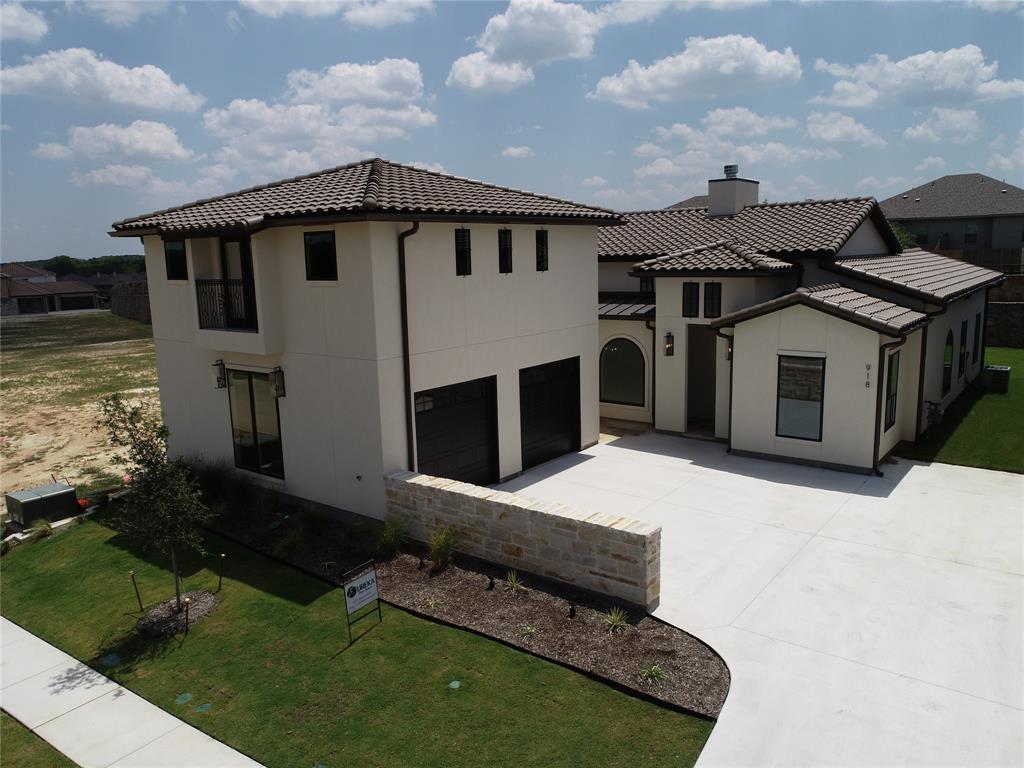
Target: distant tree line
(106, 265)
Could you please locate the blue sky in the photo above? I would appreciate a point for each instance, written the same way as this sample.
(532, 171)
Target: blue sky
(117, 108)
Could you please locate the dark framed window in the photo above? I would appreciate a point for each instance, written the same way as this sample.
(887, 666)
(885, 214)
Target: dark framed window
(892, 382)
(255, 423)
(691, 299)
(505, 251)
(622, 373)
(921, 238)
(962, 360)
(971, 233)
(801, 393)
(542, 250)
(463, 253)
(321, 256)
(976, 350)
(174, 259)
(947, 364)
(646, 285)
(712, 299)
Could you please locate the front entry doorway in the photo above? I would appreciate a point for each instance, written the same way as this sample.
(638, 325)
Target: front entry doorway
(701, 343)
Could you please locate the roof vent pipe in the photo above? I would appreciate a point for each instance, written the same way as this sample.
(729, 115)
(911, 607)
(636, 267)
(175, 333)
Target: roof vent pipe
(732, 171)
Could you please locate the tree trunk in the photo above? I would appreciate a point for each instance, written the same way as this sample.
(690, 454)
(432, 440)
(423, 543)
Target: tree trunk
(177, 581)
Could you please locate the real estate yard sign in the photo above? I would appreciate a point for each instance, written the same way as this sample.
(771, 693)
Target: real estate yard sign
(360, 586)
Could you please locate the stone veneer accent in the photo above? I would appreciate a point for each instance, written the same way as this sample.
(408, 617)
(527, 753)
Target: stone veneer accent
(616, 556)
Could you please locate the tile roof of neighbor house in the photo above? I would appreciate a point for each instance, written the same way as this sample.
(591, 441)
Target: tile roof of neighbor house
(15, 269)
(807, 228)
(723, 256)
(928, 276)
(962, 195)
(697, 201)
(839, 301)
(612, 305)
(372, 187)
(59, 287)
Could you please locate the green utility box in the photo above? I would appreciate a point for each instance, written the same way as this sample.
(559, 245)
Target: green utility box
(55, 501)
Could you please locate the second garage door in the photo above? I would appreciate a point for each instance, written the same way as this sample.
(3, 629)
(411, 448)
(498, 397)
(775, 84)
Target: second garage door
(457, 431)
(549, 410)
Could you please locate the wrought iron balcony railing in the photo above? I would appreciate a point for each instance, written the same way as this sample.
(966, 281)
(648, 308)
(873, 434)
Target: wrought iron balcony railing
(227, 305)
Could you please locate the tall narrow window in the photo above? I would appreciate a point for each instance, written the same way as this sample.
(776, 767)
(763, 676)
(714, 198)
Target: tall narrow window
(892, 381)
(174, 259)
(962, 361)
(542, 250)
(463, 255)
(947, 364)
(971, 233)
(255, 423)
(505, 251)
(691, 299)
(321, 256)
(646, 285)
(977, 339)
(712, 299)
(800, 396)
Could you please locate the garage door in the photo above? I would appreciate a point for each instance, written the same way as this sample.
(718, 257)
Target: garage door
(77, 302)
(549, 410)
(457, 431)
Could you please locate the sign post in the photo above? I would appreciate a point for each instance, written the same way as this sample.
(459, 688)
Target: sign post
(360, 585)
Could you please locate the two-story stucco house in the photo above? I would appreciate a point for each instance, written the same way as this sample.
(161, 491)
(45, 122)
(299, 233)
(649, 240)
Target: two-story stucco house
(322, 331)
(791, 330)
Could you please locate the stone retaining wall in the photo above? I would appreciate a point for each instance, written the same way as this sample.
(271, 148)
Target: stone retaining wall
(616, 556)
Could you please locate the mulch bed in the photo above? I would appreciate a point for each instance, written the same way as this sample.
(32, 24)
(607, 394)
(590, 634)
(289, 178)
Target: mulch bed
(166, 619)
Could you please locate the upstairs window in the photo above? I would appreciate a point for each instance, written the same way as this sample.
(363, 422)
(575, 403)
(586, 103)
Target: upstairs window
(505, 251)
(174, 259)
(971, 233)
(646, 285)
(691, 299)
(800, 396)
(962, 361)
(542, 250)
(712, 299)
(977, 338)
(947, 365)
(321, 256)
(892, 381)
(463, 255)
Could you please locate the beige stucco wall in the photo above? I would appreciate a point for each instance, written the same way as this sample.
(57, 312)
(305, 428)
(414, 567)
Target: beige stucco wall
(906, 394)
(616, 556)
(614, 276)
(637, 332)
(967, 309)
(865, 241)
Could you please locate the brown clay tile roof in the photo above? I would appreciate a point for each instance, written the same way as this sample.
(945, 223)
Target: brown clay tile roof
(625, 306)
(916, 272)
(723, 256)
(16, 269)
(955, 197)
(808, 228)
(368, 187)
(839, 301)
(25, 288)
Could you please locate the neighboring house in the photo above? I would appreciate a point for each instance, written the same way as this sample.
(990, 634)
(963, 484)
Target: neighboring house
(697, 201)
(322, 331)
(104, 283)
(968, 215)
(30, 290)
(791, 330)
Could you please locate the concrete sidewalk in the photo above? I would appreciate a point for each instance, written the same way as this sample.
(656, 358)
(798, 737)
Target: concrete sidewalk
(92, 719)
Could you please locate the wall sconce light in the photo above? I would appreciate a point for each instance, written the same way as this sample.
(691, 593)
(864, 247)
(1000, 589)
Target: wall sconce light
(220, 375)
(670, 344)
(277, 379)
(728, 351)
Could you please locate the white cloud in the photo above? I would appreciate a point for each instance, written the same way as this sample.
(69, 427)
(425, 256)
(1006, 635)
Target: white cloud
(436, 167)
(475, 72)
(740, 121)
(705, 161)
(234, 20)
(365, 13)
(517, 152)
(122, 13)
(958, 74)
(20, 23)
(931, 162)
(835, 127)
(705, 68)
(1010, 161)
(116, 175)
(997, 6)
(650, 150)
(143, 138)
(594, 181)
(211, 181)
(944, 124)
(882, 187)
(78, 74)
(386, 80)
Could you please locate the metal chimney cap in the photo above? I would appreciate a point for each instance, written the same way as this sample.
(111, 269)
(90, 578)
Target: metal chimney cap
(732, 171)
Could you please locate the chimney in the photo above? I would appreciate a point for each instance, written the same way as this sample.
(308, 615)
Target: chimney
(729, 196)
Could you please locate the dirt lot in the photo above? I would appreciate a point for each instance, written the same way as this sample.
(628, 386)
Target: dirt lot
(53, 371)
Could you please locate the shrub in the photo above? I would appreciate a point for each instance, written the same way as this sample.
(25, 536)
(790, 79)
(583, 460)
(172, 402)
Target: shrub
(442, 547)
(391, 537)
(213, 478)
(653, 675)
(431, 603)
(616, 620)
(527, 631)
(513, 583)
(41, 529)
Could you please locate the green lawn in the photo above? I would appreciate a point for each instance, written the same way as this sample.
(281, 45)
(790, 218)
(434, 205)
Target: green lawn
(20, 747)
(271, 663)
(981, 430)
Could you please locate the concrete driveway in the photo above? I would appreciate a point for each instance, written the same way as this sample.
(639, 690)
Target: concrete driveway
(867, 621)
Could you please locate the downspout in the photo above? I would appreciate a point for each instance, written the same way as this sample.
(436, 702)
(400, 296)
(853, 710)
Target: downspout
(882, 350)
(403, 299)
(654, 364)
(729, 339)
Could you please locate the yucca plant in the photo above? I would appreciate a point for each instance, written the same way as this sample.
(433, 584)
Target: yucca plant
(653, 675)
(616, 620)
(527, 631)
(513, 583)
(442, 547)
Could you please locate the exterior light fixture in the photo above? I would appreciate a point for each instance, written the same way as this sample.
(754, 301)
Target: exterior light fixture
(670, 344)
(220, 375)
(277, 378)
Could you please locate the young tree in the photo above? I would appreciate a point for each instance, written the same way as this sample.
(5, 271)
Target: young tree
(162, 506)
(906, 239)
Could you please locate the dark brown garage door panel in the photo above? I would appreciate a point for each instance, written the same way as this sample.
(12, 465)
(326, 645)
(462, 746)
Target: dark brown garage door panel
(457, 431)
(549, 410)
